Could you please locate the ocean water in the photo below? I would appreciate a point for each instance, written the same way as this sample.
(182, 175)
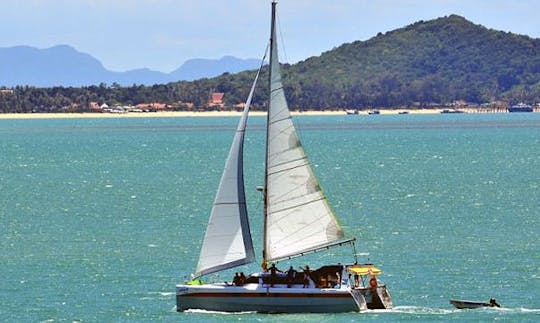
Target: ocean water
(100, 218)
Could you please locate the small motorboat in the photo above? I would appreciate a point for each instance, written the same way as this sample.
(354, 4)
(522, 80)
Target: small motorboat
(471, 304)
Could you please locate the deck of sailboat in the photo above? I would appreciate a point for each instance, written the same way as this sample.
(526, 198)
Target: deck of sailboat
(323, 291)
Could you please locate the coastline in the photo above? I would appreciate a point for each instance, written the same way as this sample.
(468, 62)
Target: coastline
(185, 114)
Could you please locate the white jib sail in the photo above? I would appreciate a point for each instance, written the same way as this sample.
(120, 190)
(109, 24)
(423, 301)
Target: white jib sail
(298, 218)
(227, 242)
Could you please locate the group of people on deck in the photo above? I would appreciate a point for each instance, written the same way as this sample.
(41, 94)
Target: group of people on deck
(291, 274)
(239, 280)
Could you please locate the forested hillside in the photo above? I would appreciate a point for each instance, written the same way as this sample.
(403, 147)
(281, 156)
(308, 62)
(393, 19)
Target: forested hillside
(433, 62)
(436, 61)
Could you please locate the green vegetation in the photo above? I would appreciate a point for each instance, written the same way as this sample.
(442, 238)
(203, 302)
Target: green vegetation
(437, 61)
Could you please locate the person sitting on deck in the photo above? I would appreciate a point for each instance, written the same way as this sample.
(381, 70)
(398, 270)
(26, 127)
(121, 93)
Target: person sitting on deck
(242, 279)
(273, 274)
(290, 276)
(337, 284)
(236, 279)
(356, 280)
(373, 282)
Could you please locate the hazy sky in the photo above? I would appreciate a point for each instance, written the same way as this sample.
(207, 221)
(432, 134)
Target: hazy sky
(162, 34)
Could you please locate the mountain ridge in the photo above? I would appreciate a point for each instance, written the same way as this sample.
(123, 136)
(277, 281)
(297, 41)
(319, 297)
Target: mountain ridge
(63, 65)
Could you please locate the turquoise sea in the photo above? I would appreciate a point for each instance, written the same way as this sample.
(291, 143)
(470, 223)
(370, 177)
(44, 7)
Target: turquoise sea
(100, 218)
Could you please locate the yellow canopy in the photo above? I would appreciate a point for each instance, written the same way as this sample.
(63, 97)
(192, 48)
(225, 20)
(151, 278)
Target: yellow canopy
(365, 270)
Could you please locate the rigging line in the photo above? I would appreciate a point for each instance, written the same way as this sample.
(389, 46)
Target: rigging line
(289, 168)
(284, 130)
(288, 162)
(286, 59)
(276, 89)
(279, 120)
(296, 205)
(286, 196)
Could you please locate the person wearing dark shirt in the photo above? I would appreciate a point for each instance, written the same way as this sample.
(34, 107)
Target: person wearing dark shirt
(242, 279)
(236, 279)
(273, 274)
(307, 274)
(290, 276)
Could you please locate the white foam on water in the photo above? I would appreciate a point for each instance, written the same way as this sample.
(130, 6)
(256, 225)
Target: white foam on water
(217, 312)
(167, 293)
(419, 310)
(517, 310)
(528, 310)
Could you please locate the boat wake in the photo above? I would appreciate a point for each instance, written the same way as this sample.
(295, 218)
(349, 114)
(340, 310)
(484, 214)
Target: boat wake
(419, 310)
(521, 310)
(413, 310)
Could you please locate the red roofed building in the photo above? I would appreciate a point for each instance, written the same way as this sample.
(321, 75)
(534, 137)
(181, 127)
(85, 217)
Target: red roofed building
(216, 100)
(94, 106)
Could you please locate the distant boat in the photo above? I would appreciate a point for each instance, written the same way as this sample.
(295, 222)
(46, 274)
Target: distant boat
(520, 107)
(460, 304)
(374, 112)
(451, 111)
(403, 112)
(298, 220)
(351, 111)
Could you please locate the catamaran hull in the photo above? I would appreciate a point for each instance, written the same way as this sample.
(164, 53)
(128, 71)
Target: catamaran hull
(270, 304)
(270, 300)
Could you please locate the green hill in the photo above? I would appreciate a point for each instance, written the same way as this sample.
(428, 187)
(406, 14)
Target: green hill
(428, 62)
(439, 61)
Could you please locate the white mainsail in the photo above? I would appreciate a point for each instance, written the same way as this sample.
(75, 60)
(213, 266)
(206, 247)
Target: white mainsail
(298, 218)
(227, 242)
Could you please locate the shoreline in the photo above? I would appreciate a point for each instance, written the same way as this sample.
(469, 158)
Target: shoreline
(187, 114)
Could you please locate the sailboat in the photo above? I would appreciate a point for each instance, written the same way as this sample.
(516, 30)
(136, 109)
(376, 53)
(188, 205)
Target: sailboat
(297, 221)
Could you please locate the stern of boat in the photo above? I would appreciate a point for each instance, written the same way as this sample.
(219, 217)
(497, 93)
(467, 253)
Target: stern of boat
(384, 297)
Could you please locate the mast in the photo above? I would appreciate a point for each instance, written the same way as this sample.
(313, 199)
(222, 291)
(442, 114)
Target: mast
(273, 51)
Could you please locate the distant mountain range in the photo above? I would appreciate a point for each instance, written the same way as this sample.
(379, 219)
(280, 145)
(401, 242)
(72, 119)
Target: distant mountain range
(65, 66)
(428, 63)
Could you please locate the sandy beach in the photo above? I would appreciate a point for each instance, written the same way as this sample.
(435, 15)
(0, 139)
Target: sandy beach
(183, 114)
